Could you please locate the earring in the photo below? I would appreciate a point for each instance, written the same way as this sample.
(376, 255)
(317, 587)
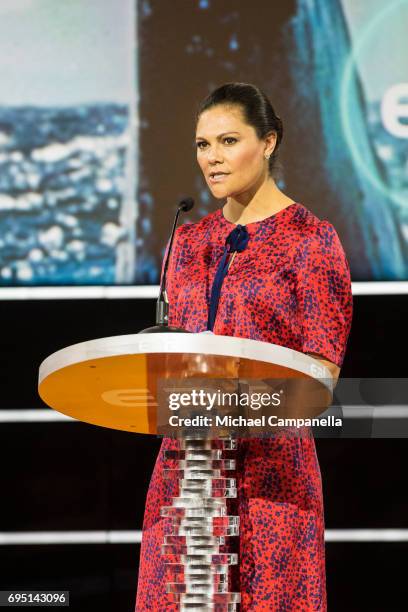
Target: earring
(267, 156)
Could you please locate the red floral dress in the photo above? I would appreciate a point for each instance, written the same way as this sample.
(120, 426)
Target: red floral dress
(290, 286)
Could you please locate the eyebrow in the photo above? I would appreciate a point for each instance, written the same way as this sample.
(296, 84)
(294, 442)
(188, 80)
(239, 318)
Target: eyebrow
(219, 136)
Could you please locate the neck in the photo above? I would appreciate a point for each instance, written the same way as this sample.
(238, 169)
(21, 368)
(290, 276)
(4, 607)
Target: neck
(262, 201)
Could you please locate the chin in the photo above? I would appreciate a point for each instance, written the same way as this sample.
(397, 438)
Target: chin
(220, 192)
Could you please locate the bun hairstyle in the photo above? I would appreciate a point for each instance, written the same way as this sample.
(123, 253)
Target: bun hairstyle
(257, 111)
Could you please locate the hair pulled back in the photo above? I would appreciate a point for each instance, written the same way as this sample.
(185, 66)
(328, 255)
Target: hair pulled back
(257, 111)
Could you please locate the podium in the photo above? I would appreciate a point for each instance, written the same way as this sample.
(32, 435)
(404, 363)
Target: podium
(118, 382)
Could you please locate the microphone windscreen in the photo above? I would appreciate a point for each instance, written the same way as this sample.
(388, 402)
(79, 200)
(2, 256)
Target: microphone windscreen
(186, 204)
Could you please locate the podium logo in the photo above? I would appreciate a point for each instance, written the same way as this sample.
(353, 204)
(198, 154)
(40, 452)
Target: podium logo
(317, 371)
(131, 398)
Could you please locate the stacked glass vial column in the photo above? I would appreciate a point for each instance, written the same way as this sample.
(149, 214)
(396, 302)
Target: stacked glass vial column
(198, 571)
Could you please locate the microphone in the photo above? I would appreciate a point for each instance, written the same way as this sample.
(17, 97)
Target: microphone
(186, 204)
(162, 305)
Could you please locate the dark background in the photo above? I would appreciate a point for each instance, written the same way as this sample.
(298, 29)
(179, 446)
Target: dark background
(74, 476)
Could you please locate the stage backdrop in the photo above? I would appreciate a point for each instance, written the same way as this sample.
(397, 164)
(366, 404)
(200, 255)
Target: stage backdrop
(97, 106)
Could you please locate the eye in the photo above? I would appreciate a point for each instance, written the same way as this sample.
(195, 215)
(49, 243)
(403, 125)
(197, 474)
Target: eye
(228, 140)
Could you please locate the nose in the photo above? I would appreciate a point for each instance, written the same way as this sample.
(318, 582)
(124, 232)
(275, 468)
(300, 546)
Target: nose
(214, 154)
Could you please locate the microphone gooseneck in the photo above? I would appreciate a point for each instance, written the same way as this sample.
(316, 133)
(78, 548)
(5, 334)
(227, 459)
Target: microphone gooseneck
(162, 304)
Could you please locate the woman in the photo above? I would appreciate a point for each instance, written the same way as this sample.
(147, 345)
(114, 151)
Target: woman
(289, 286)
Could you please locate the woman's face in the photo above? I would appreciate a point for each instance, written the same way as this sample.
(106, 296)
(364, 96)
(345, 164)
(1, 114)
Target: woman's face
(229, 152)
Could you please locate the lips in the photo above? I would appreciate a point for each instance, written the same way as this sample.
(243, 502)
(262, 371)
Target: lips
(216, 177)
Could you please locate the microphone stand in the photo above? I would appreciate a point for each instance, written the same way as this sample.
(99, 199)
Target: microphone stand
(162, 304)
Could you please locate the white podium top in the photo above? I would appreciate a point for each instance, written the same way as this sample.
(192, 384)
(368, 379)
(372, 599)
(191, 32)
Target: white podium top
(112, 381)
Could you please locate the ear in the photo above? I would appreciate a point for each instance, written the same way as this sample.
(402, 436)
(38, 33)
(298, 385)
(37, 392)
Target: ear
(270, 142)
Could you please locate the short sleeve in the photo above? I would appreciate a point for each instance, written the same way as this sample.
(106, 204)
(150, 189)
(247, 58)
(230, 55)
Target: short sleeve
(324, 297)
